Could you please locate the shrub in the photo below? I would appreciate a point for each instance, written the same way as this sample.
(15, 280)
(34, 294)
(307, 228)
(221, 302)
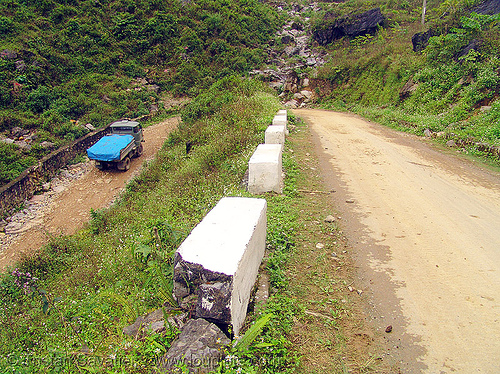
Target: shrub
(39, 99)
(6, 26)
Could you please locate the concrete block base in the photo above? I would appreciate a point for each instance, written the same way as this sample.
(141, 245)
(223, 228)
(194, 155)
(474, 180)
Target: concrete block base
(275, 135)
(265, 169)
(218, 263)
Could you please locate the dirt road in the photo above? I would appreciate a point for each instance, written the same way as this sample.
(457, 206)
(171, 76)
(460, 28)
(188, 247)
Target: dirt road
(69, 208)
(425, 229)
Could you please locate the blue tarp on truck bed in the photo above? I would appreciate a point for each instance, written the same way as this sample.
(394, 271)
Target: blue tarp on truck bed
(108, 147)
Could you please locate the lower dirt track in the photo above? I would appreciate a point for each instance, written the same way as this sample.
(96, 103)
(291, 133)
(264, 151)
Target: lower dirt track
(424, 225)
(70, 208)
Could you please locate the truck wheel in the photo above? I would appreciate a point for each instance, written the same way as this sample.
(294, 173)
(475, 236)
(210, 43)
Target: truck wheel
(139, 150)
(124, 165)
(100, 165)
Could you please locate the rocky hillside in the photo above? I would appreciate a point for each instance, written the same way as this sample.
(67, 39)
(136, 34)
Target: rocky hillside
(437, 78)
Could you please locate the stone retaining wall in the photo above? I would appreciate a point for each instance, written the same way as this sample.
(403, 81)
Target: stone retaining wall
(24, 187)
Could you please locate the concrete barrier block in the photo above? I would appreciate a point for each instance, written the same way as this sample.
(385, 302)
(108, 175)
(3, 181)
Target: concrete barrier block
(265, 169)
(219, 261)
(280, 119)
(275, 135)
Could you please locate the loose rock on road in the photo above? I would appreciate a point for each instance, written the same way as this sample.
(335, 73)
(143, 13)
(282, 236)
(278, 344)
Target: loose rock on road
(425, 229)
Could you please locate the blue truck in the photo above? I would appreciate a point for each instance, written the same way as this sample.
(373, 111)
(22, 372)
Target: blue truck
(118, 147)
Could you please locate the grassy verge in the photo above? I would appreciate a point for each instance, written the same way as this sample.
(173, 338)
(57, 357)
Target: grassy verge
(63, 310)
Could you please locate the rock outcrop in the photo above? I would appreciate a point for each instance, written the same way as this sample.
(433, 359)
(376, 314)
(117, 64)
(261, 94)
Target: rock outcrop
(487, 7)
(351, 26)
(293, 53)
(420, 40)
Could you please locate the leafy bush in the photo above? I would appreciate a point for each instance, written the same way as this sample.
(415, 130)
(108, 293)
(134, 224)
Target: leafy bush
(40, 99)
(6, 25)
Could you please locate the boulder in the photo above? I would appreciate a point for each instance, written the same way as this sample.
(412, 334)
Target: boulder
(407, 89)
(297, 26)
(16, 132)
(199, 347)
(298, 96)
(292, 82)
(307, 94)
(364, 23)
(153, 87)
(487, 7)
(154, 322)
(292, 104)
(286, 39)
(14, 228)
(473, 45)
(47, 145)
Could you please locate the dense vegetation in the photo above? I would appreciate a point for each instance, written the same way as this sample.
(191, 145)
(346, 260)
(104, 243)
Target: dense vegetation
(63, 309)
(64, 61)
(454, 82)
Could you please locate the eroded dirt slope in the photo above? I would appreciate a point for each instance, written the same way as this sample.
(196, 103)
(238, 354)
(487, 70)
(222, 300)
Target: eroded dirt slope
(425, 227)
(69, 208)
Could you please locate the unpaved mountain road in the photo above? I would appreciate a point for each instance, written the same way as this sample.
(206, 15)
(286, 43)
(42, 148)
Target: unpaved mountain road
(68, 209)
(424, 226)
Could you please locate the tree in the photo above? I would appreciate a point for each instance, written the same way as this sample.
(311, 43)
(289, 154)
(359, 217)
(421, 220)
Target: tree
(424, 6)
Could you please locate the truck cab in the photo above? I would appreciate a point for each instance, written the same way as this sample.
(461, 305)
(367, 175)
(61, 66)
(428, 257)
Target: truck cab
(127, 127)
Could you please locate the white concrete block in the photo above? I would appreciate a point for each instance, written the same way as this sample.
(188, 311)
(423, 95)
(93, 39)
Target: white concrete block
(282, 112)
(280, 119)
(275, 135)
(220, 259)
(265, 169)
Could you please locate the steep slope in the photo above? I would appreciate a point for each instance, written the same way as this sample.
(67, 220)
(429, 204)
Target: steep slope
(445, 84)
(64, 64)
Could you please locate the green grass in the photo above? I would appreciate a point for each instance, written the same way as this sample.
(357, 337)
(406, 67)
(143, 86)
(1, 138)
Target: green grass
(99, 280)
